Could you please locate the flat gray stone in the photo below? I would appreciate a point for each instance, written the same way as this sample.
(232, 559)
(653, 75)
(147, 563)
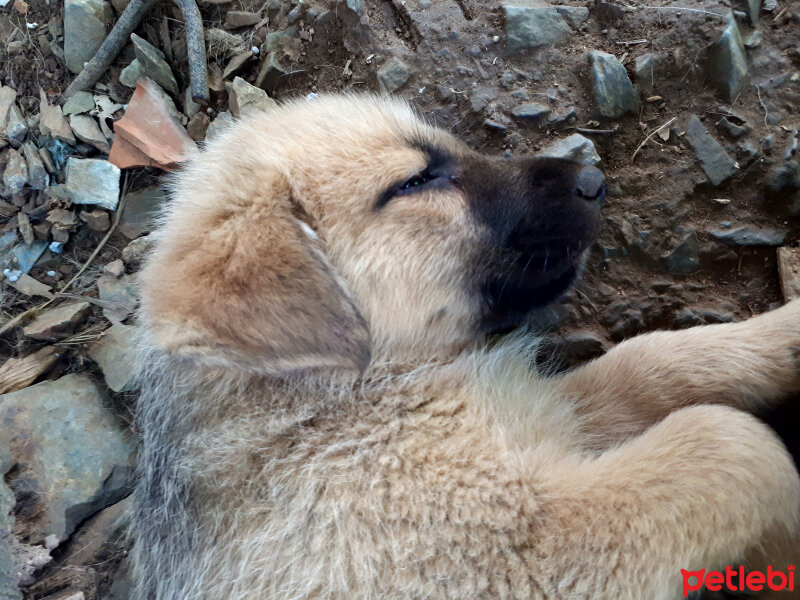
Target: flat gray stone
(429, 20)
(9, 589)
(785, 175)
(532, 23)
(644, 68)
(115, 356)
(16, 127)
(122, 292)
(481, 97)
(28, 255)
(80, 102)
(393, 75)
(531, 111)
(685, 259)
(154, 65)
(728, 63)
(574, 15)
(7, 97)
(73, 457)
(752, 8)
(614, 95)
(235, 19)
(87, 130)
(15, 175)
(7, 243)
(131, 74)
(221, 123)
(38, 178)
(357, 6)
(135, 252)
(57, 323)
(141, 209)
(85, 27)
(93, 181)
(270, 71)
(750, 236)
(276, 39)
(574, 147)
(716, 163)
(52, 122)
(246, 100)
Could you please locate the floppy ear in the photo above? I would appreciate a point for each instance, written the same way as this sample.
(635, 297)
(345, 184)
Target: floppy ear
(235, 281)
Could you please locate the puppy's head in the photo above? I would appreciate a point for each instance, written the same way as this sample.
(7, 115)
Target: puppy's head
(324, 233)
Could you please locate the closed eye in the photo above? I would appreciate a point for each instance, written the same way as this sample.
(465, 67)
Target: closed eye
(438, 173)
(422, 180)
(418, 180)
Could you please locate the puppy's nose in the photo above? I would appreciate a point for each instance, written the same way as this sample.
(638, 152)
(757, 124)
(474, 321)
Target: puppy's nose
(590, 184)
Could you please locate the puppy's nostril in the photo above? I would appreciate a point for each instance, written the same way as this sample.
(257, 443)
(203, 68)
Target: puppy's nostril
(590, 184)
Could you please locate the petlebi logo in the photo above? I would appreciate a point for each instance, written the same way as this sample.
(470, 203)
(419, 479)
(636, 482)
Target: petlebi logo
(737, 580)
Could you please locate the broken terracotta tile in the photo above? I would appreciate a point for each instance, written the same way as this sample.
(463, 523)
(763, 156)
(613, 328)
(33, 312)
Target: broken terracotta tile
(148, 134)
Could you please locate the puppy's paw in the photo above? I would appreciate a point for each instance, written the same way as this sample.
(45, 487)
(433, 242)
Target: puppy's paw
(778, 332)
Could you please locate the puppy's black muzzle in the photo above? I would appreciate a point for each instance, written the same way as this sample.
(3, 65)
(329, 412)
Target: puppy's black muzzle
(538, 216)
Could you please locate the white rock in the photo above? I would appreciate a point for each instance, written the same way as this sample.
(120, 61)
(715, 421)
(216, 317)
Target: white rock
(574, 147)
(93, 181)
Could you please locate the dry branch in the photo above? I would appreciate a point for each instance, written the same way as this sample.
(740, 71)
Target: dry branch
(111, 46)
(196, 49)
(19, 373)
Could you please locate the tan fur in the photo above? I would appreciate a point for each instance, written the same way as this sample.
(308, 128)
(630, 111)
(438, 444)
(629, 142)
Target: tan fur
(319, 422)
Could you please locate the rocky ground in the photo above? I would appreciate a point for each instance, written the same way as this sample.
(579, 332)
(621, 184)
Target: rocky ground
(691, 108)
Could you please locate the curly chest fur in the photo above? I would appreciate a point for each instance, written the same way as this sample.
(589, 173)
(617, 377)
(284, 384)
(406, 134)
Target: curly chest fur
(404, 497)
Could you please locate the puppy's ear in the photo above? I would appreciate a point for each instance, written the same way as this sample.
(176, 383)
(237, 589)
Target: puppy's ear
(235, 281)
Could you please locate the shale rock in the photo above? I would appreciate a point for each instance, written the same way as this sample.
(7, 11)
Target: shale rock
(73, 457)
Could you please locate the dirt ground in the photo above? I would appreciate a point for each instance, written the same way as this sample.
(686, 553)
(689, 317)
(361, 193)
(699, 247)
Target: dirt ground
(464, 79)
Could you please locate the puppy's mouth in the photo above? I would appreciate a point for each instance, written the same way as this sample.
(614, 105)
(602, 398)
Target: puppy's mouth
(528, 282)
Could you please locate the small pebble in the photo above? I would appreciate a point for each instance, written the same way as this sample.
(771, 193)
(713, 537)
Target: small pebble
(12, 275)
(51, 273)
(255, 50)
(115, 268)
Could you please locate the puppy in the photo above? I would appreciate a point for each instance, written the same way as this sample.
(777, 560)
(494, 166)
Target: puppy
(324, 418)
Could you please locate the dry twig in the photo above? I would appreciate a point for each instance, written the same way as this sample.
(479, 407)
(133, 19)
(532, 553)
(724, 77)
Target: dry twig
(32, 312)
(196, 50)
(650, 135)
(111, 46)
(764, 106)
(597, 131)
(121, 33)
(18, 373)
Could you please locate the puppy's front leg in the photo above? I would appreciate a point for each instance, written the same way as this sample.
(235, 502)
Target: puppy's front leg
(746, 365)
(707, 487)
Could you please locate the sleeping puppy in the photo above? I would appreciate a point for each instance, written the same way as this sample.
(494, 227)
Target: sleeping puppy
(324, 418)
